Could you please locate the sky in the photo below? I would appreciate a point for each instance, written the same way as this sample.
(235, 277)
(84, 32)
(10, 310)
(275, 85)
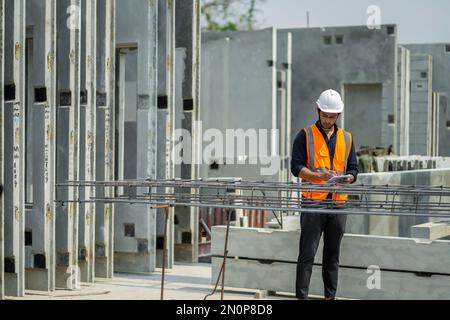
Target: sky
(425, 21)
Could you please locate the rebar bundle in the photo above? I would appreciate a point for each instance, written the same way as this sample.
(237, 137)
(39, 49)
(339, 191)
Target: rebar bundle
(428, 201)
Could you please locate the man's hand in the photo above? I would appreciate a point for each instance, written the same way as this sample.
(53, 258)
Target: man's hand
(325, 176)
(350, 179)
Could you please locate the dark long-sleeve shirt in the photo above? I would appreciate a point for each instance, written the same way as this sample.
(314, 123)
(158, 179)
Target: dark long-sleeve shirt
(299, 153)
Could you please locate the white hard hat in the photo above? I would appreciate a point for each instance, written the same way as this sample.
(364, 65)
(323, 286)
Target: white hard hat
(330, 101)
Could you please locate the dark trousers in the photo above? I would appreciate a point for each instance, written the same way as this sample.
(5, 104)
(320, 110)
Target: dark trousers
(312, 226)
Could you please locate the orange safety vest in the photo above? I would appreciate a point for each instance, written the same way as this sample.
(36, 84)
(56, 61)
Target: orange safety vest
(318, 159)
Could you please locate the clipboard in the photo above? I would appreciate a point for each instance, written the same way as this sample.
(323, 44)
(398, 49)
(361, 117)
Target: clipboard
(337, 179)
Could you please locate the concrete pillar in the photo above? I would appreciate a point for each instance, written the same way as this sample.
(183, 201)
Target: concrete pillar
(50, 144)
(87, 263)
(421, 96)
(38, 231)
(171, 120)
(284, 64)
(152, 130)
(188, 37)
(104, 239)
(2, 145)
(15, 144)
(403, 100)
(68, 69)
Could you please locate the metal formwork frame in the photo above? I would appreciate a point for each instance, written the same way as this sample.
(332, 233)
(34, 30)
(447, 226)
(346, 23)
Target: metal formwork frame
(88, 274)
(2, 147)
(50, 138)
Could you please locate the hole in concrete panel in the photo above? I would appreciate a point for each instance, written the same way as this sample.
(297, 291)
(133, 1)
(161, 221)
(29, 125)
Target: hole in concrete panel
(101, 99)
(160, 242)
(40, 95)
(10, 92)
(162, 102)
(214, 166)
(28, 238)
(176, 220)
(339, 39)
(100, 250)
(83, 97)
(391, 30)
(39, 261)
(186, 237)
(188, 104)
(63, 259)
(447, 48)
(129, 230)
(327, 40)
(391, 119)
(270, 63)
(423, 75)
(10, 266)
(82, 254)
(280, 84)
(65, 98)
(142, 245)
(448, 124)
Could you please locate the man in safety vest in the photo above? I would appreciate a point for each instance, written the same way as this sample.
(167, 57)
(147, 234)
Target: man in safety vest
(321, 152)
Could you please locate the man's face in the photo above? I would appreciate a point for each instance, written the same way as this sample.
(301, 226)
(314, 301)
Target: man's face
(328, 119)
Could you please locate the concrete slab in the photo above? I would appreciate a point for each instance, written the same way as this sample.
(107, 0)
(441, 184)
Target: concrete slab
(352, 283)
(357, 251)
(431, 230)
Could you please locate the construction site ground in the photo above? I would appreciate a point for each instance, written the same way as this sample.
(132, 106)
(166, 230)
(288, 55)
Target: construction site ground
(183, 282)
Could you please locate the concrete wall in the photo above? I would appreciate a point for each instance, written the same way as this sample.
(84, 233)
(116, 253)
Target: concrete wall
(365, 56)
(441, 82)
(402, 115)
(421, 100)
(242, 97)
(137, 118)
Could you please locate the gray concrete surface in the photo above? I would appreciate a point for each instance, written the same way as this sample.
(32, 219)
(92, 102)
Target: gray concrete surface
(183, 282)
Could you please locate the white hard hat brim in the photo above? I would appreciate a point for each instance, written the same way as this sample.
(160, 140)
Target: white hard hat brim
(326, 110)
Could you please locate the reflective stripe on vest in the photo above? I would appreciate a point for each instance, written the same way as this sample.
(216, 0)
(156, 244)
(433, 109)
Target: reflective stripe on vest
(318, 159)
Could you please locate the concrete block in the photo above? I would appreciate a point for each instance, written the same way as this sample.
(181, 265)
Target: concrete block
(352, 283)
(431, 230)
(358, 251)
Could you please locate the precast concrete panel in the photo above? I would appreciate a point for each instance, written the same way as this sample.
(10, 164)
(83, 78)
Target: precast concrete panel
(239, 92)
(14, 142)
(2, 117)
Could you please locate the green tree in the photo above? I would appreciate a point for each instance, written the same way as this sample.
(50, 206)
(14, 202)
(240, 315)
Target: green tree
(230, 15)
